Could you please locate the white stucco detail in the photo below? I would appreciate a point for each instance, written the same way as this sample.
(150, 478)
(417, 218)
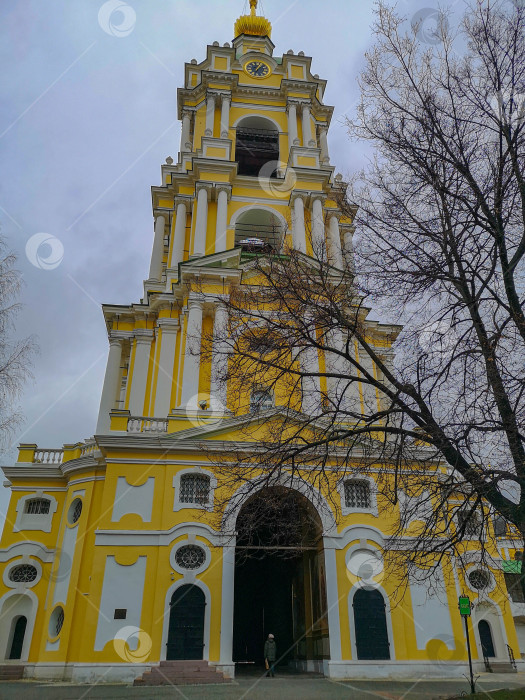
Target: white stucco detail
(63, 573)
(123, 587)
(12, 605)
(133, 499)
(185, 543)
(430, 611)
(40, 521)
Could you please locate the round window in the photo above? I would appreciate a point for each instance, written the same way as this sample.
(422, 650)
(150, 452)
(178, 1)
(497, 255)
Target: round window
(23, 573)
(190, 557)
(479, 579)
(56, 621)
(75, 511)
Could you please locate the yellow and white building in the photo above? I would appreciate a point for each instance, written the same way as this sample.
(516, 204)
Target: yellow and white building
(111, 559)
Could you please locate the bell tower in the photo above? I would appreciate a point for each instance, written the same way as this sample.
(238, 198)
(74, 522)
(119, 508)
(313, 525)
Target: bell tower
(252, 174)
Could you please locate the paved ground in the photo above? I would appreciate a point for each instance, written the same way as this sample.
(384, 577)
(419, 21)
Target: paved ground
(282, 687)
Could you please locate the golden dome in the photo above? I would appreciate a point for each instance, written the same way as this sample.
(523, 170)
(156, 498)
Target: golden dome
(253, 24)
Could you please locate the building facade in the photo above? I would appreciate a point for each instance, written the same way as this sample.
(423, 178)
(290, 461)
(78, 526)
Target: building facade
(111, 557)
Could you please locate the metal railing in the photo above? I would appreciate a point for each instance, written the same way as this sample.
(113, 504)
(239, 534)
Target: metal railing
(488, 668)
(511, 657)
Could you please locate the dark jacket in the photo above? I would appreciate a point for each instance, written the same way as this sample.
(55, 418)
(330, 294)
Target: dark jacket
(270, 650)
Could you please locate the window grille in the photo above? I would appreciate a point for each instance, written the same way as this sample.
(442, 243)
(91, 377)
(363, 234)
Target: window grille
(24, 573)
(500, 526)
(260, 400)
(190, 557)
(471, 524)
(479, 579)
(37, 506)
(59, 622)
(77, 511)
(357, 494)
(194, 488)
(514, 587)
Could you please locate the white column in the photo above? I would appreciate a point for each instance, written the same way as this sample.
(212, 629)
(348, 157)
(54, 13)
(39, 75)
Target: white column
(336, 257)
(110, 387)
(323, 138)
(185, 144)
(139, 378)
(343, 392)
(201, 225)
(292, 123)
(227, 598)
(155, 268)
(311, 386)
(298, 227)
(169, 329)
(210, 114)
(348, 246)
(307, 124)
(318, 237)
(190, 375)
(223, 194)
(218, 388)
(179, 234)
(332, 601)
(225, 116)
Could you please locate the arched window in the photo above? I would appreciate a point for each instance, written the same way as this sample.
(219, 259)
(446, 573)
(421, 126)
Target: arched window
(195, 488)
(500, 526)
(259, 231)
(357, 494)
(470, 523)
(257, 147)
(37, 506)
(260, 400)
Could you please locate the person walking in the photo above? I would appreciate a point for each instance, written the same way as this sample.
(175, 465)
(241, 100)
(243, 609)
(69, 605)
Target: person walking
(270, 654)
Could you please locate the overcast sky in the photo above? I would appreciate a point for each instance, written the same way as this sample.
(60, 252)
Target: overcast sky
(87, 117)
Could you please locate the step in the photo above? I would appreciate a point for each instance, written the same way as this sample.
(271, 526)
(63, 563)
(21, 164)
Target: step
(181, 673)
(502, 667)
(11, 672)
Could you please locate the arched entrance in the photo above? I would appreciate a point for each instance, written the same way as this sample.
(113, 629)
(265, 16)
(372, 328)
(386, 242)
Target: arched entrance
(18, 632)
(280, 585)
(485, 638)
(186, 625)
(371, 634)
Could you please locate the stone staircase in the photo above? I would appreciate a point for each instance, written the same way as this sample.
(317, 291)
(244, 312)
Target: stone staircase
(11, 672)
(502, 667)
(181, 673)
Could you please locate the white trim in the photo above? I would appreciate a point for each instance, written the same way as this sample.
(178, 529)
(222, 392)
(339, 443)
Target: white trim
(227, 606)
(158, 538)
(388, 617)
(207, 615)
(21, 586)
(271, 210)
(258, 115)
(477, 604)
(178, 505)
(332, 599)
(42, 522)
(29, 548)
(184, 543)
(347, 510)
(293, 483)
(28, 636)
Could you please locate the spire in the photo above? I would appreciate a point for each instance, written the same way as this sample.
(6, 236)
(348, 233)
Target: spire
(253, 24)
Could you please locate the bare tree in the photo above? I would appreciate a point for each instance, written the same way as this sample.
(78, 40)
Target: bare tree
(439, 255)
(15, 354)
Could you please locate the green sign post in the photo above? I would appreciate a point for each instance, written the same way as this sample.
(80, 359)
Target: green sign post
(464, 611)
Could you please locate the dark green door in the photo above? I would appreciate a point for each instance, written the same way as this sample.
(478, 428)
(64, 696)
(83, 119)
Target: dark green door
(18, 638)
(186, 627)
(485, 637)
(371, 635)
